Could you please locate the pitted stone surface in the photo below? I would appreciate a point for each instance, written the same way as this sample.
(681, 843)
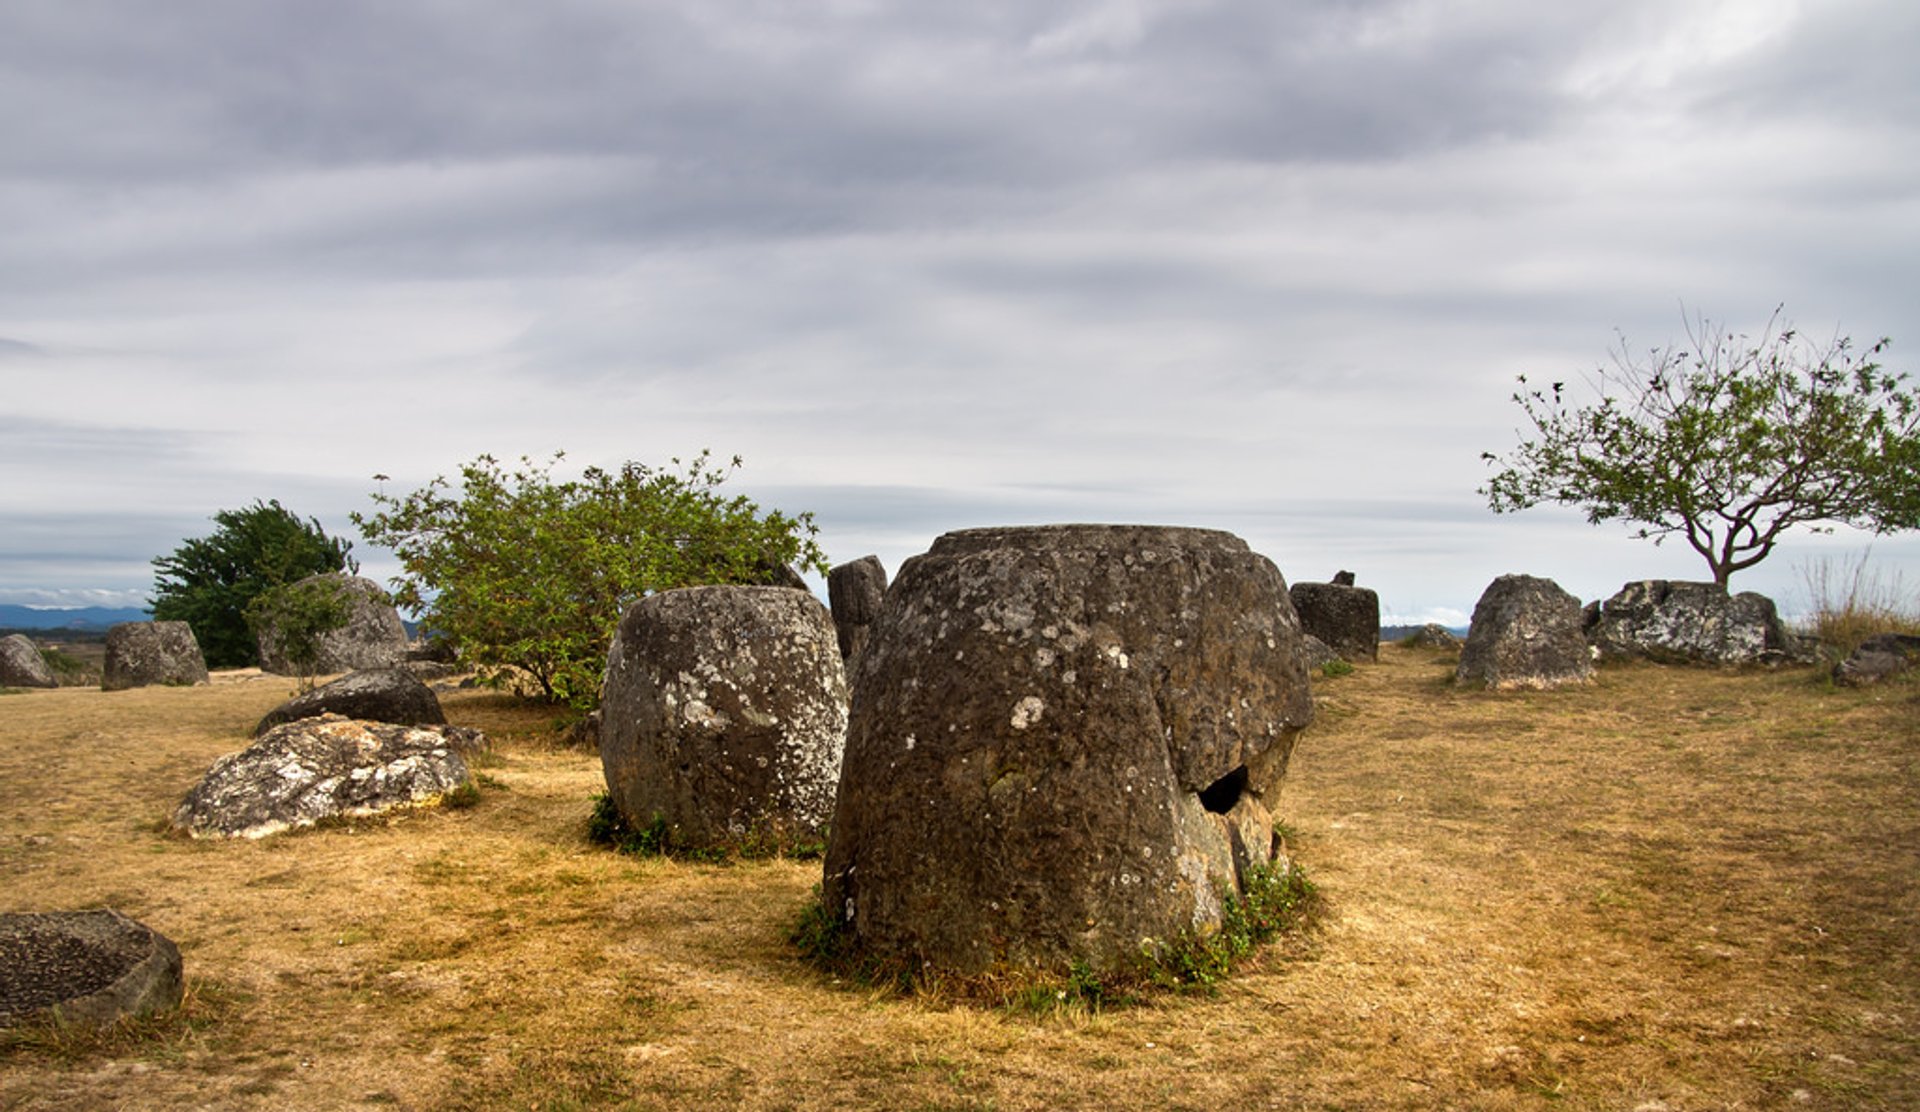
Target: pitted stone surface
(1525, 634)
(21, 664)
(140, 654)
(724, 714)
(1677, 622)
(1346, 618)
(373, 637)
(316, 768)
(90, 967)
(394, 695)
(1065, 740)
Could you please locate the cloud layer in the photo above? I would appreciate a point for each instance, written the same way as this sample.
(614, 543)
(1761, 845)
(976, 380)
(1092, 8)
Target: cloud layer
(1269, 267)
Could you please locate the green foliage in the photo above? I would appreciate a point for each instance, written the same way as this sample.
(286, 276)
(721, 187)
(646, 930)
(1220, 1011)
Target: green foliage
(68, 669)
(529, 575)
(1728, 444)
(606, 826)
(1276, 898)
(1336, 667)
(300, 614)
(208, 582)
(818, 935)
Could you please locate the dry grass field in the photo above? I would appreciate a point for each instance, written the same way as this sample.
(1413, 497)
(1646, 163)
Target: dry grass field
(1673, 890)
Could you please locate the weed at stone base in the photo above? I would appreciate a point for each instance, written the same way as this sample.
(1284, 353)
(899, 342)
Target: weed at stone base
(164, 1036)
(606, 826)
(1334, 668)
(1277, 898)
(461, 796)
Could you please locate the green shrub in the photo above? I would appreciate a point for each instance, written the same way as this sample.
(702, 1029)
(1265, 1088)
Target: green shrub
(528, 576)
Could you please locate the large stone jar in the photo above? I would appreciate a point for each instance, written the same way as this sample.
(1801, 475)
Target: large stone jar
(723, 715)
(1064, 746)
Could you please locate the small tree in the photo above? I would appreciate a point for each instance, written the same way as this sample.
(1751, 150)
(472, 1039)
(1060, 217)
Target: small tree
(1728, 443)
(301, 614)
(208, 582)
(525, 573)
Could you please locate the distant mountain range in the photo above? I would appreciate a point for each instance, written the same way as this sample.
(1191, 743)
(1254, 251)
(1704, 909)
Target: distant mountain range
(85, 618)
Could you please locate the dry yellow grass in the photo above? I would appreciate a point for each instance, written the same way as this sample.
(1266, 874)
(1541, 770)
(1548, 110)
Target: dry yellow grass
(1672, 890)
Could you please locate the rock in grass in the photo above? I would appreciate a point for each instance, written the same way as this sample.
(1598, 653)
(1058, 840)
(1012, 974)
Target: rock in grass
(21, 664)
(1065, 740)
(393, 695)
(723, 716)
(300, 773)
(1526, 633)
(141, 654)
(1432, 635)
(90, 967)
(1677, 622)
(1879, 656)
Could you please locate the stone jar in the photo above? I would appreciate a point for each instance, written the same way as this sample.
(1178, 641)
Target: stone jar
(1064, 746)
(724, 712)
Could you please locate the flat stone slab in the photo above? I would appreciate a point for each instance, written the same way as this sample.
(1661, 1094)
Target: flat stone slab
(88, 967)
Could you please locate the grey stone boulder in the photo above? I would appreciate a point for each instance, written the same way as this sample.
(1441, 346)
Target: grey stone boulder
(1525, 634)
(393, 695)
(301, 772)
(373, 636)
(723, 714)
(1432, 635)
(854, 592)
(141, 654)
(84, 967)
(1878, 657)
(21, 664)
(1345, 617)
(1065, 741)
(1677, 622)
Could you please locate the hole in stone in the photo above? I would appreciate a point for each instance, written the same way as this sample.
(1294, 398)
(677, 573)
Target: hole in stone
(1220, 796)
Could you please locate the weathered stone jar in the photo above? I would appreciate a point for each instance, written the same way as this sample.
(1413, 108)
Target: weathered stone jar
(1064, 743)
(723, 715)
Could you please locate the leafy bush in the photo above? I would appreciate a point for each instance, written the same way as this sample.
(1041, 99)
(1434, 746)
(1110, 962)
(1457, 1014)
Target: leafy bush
(208, 582)
(528, 575)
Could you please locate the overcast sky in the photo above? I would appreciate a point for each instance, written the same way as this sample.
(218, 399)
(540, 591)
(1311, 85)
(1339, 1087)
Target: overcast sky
(1263, 266)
